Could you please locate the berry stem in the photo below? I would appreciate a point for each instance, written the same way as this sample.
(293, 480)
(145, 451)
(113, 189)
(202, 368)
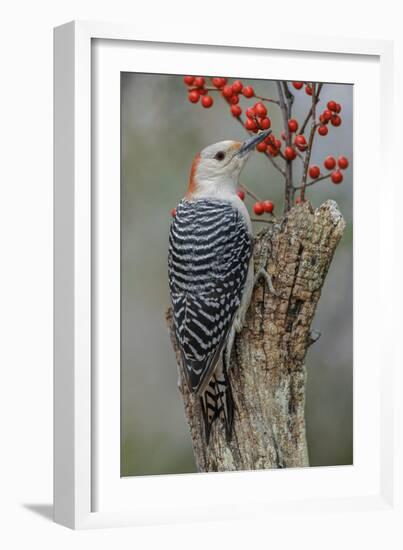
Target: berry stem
(250, 193)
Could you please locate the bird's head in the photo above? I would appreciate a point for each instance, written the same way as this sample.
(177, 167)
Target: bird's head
(215, 170)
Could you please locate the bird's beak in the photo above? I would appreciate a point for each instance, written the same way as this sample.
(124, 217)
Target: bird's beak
(251, 142)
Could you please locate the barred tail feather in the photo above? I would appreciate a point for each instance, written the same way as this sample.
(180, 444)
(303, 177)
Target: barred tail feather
(217, 403)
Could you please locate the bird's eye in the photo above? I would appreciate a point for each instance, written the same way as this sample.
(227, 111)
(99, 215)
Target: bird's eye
(220, 155)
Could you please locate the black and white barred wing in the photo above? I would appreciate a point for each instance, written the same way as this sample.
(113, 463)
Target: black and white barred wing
(209, 254)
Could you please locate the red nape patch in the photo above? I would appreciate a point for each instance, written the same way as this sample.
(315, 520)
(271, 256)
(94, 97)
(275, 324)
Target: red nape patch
(192, 177)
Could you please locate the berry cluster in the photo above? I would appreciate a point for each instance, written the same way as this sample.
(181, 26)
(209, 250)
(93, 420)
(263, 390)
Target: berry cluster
(260, 207)
(332, 165)
(270, 145)
(300, 85)
(230, 92)
(331, 114)
(293, 143)
(256, 118)
(197, 89)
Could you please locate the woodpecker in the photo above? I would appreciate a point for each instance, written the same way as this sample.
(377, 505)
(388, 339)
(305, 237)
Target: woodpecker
(211, 274)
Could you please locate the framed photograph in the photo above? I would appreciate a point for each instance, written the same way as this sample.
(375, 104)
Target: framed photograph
(218, 269)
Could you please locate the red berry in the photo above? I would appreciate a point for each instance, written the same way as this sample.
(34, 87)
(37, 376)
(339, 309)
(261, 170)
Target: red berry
(336, 177)
(260, 110)
(329, 163)
(207, 101)
(188, 80)
(292, 125)
(314, 172)
(261, 147)
(199, 81)
(342, 162)
(202, 91)
(241, 194)
(248, 91)
(194, 96)
(272, 150)
(236, 110)
(173, 212)
(298, 200)
(250, 124)
(332, 105)
(277, 143)
(338, 108)
(258, 208)
(227, 91)
(308, 89)
(237, 86)
(268, 206)
(265, 123)
(290, 153)
(297, 85)
(234, 99)
(327, 115)
(323, 130)
(218, 82)
(300, 142)
(335, 120)
(250, 112)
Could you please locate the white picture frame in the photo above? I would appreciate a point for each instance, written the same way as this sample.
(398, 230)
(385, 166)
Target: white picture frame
(88, 490)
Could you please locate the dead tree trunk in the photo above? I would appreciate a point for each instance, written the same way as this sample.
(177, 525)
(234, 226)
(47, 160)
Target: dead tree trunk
(267, 365)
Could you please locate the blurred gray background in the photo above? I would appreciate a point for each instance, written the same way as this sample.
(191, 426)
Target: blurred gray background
(161, 133)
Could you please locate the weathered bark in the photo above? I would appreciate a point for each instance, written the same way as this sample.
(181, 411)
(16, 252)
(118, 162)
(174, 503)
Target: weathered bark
(267, 365)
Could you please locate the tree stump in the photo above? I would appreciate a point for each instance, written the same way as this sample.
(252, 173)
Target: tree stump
(268, 373)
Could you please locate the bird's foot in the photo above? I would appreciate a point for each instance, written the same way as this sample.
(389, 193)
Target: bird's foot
(262, 273)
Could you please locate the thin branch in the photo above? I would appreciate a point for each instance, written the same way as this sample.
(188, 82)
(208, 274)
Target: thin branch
(274, 163)
(213, 89)
(268, 99)
(311, 138)
(312, 182)
(286, 112)
(280, 152)
(287, 92)
(308, 116)
(263, 220)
